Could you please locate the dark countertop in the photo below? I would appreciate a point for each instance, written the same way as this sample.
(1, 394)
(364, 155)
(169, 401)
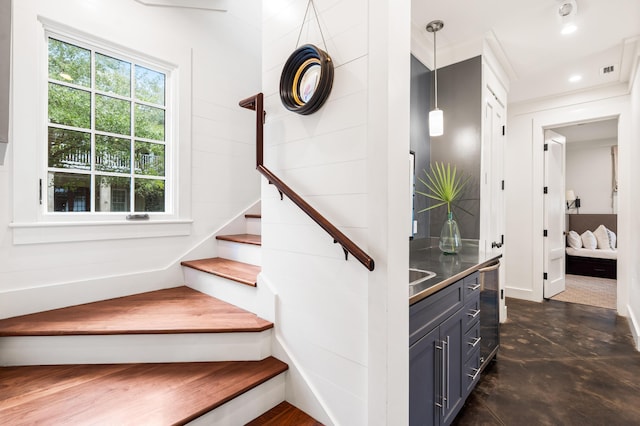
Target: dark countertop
(449, 268)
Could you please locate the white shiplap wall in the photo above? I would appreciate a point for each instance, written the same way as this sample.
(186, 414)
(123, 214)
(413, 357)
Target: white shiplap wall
(218, 58)
(337, 321)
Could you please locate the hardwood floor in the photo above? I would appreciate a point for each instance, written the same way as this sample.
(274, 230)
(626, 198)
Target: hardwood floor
(242, 238)
(125, 394)
(284, 414)
(243, 273)
(559, 364)
(174, 310)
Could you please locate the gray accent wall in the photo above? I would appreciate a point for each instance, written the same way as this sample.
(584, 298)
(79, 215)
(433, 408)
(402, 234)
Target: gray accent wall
(421, 83)
(460, 97)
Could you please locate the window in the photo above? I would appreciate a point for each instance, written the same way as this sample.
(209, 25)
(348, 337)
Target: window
(107, 132)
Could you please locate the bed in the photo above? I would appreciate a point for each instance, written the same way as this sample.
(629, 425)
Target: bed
(593, 263)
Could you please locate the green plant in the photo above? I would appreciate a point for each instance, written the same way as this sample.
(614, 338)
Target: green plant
(445, 185)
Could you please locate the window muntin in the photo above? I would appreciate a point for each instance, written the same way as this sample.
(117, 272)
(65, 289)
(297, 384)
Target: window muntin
(107, 132)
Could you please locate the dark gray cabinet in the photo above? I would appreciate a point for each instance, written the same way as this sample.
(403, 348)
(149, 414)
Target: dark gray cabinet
(472, 335)
(444, 352)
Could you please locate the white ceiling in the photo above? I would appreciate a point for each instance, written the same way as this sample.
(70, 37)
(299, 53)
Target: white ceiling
(539, 59)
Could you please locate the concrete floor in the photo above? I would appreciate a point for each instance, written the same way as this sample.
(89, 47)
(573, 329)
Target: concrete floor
(559, 364)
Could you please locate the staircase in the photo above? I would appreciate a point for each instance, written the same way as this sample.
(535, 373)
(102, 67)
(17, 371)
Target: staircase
(169, 357)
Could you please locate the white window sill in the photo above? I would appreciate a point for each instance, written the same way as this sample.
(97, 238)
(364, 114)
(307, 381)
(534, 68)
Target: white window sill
(61, 232)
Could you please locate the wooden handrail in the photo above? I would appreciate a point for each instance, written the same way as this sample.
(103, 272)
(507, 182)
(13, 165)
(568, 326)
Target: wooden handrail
(256, 103)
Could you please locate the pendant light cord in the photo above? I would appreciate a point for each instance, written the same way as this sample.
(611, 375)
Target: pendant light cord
(435, 69)
(311, 3)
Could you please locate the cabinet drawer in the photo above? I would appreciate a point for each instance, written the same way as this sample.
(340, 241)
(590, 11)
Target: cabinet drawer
(471, 312)
(471, 341)
(471, 372)
(471, 286)
(428, 313)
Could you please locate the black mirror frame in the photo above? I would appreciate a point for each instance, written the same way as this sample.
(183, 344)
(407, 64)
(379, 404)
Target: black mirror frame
(300, 59)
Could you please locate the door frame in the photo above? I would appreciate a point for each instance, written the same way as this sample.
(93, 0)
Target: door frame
(565, 116)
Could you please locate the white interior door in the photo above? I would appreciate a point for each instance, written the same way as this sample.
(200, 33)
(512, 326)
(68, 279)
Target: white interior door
(492, 188)
(554, 213)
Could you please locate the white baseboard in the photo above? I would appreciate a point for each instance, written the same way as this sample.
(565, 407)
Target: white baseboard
(518, 293)
(134, 348)
(59, 295)
(44, 298)
(207, 246)
(246, 407)
(634, 325)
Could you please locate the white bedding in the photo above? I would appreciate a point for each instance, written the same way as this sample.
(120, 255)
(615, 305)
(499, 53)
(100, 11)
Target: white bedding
(597, 253)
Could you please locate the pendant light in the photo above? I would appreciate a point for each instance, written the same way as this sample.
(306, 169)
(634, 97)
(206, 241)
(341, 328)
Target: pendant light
(436, 116)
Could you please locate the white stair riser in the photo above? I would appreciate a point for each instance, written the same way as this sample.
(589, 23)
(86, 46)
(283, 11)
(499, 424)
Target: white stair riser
(258, 300)
(246, 407)
(134, 348)
(254, 225)
(247, 253)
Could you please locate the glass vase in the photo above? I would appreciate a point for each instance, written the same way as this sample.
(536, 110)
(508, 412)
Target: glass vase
(450, 241)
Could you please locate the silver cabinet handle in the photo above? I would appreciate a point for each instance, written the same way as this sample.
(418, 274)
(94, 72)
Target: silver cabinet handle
(448, 369)
(473, 376)
(475, 342)
(441, 405)
(473, 313)
(474, 287)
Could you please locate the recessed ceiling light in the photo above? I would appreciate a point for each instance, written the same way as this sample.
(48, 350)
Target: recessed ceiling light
(575, 78)
(568, 8)
(568, 29)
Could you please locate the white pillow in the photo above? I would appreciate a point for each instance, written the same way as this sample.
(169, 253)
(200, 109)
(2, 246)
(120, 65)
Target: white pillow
(574, 240)
(589, 240)
(613, 239)
(602, 237)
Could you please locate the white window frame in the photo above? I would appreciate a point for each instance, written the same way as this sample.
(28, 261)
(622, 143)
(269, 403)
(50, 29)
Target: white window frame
(169, 140)
(49, 227)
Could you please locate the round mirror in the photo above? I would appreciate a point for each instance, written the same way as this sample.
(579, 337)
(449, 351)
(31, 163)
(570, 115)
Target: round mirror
(306, 80)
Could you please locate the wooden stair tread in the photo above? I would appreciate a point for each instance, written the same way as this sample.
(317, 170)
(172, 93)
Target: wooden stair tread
(132, 394)
(173, 310)
(284, 414)
(244, 273)
(253, 216)
(255, 240)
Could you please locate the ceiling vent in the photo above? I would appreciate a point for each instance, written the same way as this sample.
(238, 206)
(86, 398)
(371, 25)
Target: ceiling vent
(607, 70)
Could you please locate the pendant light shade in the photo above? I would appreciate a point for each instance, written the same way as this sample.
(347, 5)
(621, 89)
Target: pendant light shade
(436, 122)
(436, 116)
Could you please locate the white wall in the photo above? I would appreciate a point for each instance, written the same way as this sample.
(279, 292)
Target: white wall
(633, 276)
(218, 59)
(5, 59)
(346, 327)
(589, 173)
(524, 177)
